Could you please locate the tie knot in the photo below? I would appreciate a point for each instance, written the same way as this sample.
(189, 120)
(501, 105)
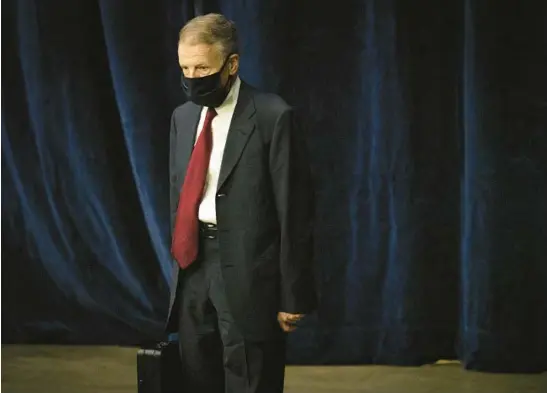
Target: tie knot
(211, 113)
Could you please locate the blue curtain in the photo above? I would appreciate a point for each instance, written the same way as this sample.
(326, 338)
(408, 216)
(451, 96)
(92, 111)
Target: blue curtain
(426, 123)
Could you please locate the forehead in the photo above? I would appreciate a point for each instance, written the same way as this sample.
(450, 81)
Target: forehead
(192, 54)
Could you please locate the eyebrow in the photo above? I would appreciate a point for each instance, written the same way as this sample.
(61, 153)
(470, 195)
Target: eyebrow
(196, 65)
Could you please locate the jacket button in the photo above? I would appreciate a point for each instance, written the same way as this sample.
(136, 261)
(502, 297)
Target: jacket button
(221, 195)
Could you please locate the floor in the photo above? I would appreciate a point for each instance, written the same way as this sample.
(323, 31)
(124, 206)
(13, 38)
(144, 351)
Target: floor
(48, 369)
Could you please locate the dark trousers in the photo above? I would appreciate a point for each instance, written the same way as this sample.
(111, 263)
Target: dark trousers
(215, 356)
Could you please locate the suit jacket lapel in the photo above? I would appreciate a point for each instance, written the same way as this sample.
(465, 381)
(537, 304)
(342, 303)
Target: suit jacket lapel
(186, 138)
(241, 128)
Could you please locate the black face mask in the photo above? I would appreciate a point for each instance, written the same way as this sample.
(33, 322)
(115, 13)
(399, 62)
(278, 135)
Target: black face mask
(207, 90)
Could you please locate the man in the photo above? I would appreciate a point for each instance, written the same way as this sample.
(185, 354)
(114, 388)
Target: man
(241, 204)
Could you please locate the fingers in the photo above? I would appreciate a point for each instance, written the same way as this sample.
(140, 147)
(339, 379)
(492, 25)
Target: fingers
(294, 317)
(286, 320)
(291, 317)
(287, 327)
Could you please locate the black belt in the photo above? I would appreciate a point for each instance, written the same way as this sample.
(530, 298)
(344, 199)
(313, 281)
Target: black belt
(208, 230)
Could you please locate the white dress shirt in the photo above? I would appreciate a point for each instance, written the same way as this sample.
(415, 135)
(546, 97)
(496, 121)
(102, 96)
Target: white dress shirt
(219, 127)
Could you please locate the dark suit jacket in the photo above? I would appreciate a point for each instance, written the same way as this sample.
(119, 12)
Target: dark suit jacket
(264, 211)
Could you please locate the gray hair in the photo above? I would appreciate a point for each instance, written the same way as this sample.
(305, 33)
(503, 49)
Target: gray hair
(211, 29)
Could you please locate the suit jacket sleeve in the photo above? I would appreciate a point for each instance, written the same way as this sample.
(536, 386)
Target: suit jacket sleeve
(294, 197)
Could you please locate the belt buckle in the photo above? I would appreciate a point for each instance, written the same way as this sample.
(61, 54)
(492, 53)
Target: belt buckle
(209, 230)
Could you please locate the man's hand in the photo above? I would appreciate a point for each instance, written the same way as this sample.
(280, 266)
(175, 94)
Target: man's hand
(287, 321)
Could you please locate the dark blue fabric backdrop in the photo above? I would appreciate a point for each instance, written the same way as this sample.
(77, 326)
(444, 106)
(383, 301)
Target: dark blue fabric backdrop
(427, 127)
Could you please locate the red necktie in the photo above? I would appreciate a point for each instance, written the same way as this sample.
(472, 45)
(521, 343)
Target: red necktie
(185, 235)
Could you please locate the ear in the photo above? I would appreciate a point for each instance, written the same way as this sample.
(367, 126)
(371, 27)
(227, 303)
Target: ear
(233, 65)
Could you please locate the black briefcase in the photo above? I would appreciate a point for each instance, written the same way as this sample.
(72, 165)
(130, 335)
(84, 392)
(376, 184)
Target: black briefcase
(159, 368)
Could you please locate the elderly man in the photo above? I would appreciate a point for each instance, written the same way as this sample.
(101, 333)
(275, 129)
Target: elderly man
(242, 206)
